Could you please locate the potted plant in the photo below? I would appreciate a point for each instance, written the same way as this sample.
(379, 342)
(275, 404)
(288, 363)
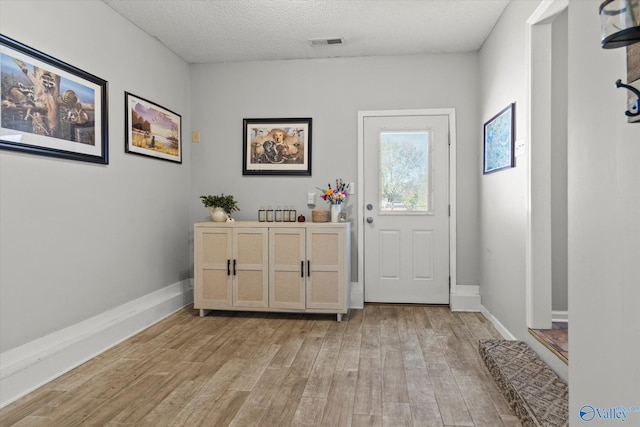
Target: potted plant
(220, 207)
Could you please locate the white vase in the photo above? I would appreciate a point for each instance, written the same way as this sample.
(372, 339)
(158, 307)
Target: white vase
(218, 214)
(335, 212)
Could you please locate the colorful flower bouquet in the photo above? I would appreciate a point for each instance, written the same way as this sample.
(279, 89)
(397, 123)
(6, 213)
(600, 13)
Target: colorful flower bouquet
(336, 195)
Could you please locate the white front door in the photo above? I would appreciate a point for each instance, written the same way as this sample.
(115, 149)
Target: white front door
(406, 209)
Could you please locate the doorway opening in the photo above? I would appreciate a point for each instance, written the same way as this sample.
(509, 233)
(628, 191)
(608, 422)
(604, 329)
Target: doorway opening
(547, 235)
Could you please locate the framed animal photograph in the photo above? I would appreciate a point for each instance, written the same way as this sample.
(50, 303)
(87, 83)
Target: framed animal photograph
(49, 107)
(152, 130)
(499, 141)
(276, 146)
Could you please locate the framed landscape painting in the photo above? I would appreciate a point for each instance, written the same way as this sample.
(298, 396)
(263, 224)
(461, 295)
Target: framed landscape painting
(499, 141)
(276, 147)
(152, 130)
(49, 107)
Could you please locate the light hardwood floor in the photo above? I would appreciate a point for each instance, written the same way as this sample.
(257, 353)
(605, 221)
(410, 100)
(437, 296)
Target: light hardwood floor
(386, 365)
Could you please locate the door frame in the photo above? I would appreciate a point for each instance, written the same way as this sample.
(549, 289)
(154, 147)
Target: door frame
(538, 262)
(451, 113)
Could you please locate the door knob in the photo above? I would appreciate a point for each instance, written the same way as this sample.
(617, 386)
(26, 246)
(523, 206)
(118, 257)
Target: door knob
(369, 207)
(369, 220)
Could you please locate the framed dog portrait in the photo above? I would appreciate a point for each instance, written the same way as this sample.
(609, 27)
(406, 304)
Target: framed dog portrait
(50, 108)
(276, 146)
(499, 141)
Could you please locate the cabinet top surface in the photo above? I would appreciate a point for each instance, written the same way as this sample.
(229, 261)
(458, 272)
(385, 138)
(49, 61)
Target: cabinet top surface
(270, 224)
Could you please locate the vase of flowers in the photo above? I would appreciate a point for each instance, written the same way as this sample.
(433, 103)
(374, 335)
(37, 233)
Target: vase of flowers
(335, 196)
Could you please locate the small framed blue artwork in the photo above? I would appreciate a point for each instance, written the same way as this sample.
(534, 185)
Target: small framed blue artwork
(499, 141)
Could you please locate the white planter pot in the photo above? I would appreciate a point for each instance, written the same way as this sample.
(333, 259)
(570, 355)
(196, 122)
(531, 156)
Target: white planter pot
(218, 214)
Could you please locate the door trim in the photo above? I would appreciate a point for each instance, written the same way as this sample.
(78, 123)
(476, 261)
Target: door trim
(456, 299)
(538, 283)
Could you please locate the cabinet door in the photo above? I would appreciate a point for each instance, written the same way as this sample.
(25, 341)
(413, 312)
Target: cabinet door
(326, 284)
(250, 267)
(212, 258)
(287, 268)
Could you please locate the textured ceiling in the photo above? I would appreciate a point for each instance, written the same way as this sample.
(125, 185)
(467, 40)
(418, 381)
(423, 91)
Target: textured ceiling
(243, 30)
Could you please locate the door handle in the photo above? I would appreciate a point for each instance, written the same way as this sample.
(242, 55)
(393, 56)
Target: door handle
(228, 267)
(369, 207)
(369, 220)
(234, 267)
(301, 268)
(308, 268)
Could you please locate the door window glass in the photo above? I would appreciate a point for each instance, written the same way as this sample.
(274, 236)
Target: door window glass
(405, 173)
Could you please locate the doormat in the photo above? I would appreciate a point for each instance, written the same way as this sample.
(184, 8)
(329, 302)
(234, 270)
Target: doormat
(537, 395)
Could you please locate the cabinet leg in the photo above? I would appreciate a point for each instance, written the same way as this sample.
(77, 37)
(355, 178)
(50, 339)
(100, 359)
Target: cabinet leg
(339, 315)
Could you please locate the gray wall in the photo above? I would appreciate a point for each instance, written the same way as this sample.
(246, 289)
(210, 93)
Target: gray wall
(604, 224)
(503, 194)
(331, 91)
(79, 239)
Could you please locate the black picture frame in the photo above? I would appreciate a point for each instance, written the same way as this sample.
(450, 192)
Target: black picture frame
(152, 130)
(499, 141)
(277, 147)
(51, 108)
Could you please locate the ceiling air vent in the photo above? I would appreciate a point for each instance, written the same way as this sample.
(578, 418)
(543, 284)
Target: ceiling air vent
(326, 41)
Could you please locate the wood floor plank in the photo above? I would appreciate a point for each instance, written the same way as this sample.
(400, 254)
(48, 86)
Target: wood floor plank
(26, 406)
(303, 363)
(319, 381)
(366, 421)
(451, 404)
(396, 415)
(309, 411)
(394, 384)
(349, 355)
(260, 397)
(423, 402)
(481, 408)
(368, 397)
(412, 356)
(283, 407)
(287, 353)
(386, 364)
(370, 344)
(339, 408)
(165, 411)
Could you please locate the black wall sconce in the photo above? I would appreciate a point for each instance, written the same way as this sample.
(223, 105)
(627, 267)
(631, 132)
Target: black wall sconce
(621, 27)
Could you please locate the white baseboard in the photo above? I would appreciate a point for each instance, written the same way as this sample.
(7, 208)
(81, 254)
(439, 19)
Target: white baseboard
(25, 368)
(357, 296)
(465, 298)
(496, 323)
(560, 316)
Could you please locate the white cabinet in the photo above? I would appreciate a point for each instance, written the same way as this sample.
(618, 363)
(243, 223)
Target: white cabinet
(257, 266)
